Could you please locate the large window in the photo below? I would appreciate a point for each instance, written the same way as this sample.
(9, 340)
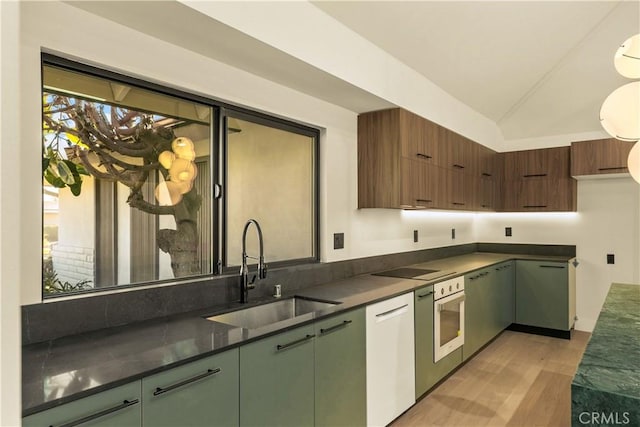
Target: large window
(144, 184)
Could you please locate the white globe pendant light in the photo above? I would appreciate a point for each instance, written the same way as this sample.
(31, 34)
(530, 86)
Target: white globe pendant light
(627, 58)
(634, 162)
(620, 112)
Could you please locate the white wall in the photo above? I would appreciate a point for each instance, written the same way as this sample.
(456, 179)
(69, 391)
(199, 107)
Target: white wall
(607, 221)
(11, 208)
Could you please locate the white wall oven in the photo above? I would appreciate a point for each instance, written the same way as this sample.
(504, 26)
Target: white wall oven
(448, 313)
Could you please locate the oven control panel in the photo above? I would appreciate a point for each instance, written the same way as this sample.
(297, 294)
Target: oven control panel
(448, 287)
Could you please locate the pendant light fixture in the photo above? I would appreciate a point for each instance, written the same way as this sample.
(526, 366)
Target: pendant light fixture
(620, 112)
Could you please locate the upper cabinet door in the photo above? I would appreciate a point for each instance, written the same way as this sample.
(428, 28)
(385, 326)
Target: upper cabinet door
(547, 163)
(419, 138)
(600, 157)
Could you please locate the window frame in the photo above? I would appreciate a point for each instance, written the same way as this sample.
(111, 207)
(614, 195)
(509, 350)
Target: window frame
(221, 112)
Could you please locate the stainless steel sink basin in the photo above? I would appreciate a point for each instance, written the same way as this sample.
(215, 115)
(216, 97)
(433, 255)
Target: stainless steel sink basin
(273, 312)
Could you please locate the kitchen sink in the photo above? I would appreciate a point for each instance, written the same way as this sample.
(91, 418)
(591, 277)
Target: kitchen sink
(273, 312)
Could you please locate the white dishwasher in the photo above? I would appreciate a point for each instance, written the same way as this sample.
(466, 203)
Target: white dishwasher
(390, 359)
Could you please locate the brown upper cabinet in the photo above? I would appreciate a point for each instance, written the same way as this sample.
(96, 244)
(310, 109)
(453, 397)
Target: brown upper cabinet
(538, 180)
(408, 162)
(546, 163)
(461, 153)
(397, 154)
(600, 157)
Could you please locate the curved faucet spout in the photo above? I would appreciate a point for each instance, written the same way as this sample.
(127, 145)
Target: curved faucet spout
(244, 269)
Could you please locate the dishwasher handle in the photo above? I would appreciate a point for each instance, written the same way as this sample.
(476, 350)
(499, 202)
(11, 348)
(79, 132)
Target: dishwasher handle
(381, 317)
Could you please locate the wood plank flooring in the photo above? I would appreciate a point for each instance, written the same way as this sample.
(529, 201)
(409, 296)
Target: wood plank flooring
(517, 380)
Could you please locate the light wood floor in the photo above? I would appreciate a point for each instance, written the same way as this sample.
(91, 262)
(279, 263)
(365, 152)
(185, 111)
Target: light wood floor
(517, 380)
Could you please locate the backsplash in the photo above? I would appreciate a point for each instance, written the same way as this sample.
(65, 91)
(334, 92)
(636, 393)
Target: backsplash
(46, 321)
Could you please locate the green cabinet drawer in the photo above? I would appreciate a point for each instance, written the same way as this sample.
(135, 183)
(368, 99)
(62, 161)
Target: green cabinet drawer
(277, 380)
(117, 407)
(340, 370)
(201, 393)
(542, 294)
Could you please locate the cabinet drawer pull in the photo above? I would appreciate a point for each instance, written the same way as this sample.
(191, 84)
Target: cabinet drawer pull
(123, 405)
(612, 168)
(551, 266)
(160, 390)
(424, 200)
(457, 203)
(457, 166)
(424, 156)
(333, 328)
(425, 295)
(296, 342)
(534, 206)
(486, 174)
(534, 175)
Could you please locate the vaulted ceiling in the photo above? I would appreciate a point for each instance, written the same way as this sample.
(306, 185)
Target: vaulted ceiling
(535, 68)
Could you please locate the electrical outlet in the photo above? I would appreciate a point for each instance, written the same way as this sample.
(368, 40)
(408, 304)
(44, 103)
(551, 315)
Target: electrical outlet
(507, 231)
(338, 241)
(415, 235)
(611, 259)
(453, 233)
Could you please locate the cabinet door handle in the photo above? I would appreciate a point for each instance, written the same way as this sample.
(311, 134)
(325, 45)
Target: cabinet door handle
(533, 175)
(123, 405)
(296, 342)
(333, 328)
(534, 206)
(425, 295)
(612, 168)
(457, 166)
(424, 156)
(161, 390)
(551, 266)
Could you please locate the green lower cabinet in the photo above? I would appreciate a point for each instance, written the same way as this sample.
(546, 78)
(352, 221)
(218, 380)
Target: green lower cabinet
(117, 407)
(505, 274)
(478, 315)
(277, 380)
(340, 370)
(429, 373)
(202, 393)
(542, 294)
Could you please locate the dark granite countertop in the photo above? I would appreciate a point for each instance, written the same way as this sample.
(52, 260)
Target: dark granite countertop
(68, 368)
(611, 361)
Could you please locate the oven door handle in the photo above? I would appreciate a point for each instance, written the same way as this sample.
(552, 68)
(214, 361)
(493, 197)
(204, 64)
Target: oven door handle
(444, 301)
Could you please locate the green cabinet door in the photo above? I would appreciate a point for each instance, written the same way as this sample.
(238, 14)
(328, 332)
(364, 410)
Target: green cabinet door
(429, 373)
(478, 311)
(340, 370)
(116, 407)
(201, 393)
(505, 283)
(542, 294)
(277, 380)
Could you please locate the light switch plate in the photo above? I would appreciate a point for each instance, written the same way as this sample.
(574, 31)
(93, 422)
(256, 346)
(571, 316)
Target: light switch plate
(507, 231)
(338, 241)
(415, 235)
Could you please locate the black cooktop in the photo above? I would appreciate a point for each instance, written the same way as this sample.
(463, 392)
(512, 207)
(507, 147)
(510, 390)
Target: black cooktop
(406, 273)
